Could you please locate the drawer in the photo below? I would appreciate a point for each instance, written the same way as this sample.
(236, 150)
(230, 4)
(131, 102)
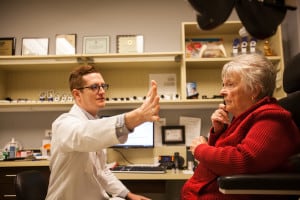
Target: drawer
(7, 180)
(7, 175)
(7, 192)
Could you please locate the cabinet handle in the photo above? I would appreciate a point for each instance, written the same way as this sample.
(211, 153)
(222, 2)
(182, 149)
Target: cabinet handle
(10, 175)
(9, 195)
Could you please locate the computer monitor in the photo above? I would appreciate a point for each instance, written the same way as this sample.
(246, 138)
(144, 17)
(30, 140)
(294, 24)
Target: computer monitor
(142, 137)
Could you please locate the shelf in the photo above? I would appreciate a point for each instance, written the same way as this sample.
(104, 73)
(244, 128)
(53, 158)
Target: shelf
(117, 105)
(192, 29)
(217, 62)
(128, 74)
(55, 62)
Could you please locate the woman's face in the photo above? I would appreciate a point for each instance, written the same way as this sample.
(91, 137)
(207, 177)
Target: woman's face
(237, 98)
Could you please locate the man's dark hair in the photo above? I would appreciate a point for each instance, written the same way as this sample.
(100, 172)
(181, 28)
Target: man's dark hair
(75, 78)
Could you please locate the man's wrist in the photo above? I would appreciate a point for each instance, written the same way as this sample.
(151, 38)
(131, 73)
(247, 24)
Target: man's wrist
(121, 128)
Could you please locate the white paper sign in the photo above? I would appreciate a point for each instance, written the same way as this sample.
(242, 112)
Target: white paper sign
(157, 131)
(166, 83)
(192, 128)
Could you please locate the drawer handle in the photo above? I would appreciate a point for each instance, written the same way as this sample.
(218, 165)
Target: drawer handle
(10, 175)
(9, 195)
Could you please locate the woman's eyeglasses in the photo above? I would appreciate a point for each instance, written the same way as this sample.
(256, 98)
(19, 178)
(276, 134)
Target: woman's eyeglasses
(95, 87)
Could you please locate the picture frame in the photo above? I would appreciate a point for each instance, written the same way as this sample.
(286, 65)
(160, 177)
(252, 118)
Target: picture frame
(95, 44)
(173, 134)
(7, 46)
(65, 44)
(35, 46)
(130, 43)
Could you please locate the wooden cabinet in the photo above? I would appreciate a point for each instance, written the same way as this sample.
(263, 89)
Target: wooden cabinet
(128, 75)
(26, 77)
(206, 72)
(7, 179)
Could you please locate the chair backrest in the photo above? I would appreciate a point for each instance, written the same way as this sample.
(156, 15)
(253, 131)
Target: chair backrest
(291, 85)
(31, 185)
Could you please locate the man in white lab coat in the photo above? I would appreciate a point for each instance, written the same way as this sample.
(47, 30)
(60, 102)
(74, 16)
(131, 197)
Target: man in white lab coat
(78, 170)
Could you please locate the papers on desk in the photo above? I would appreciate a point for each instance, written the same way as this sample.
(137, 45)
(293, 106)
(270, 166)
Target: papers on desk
(187, 171)
(192, 128)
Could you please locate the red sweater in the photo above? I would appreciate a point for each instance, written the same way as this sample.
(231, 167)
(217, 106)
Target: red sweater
(259, 140)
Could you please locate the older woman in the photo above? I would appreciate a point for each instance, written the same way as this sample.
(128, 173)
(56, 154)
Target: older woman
(259, 138)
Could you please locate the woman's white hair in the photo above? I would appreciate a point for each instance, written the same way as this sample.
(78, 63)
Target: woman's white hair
(255, 70)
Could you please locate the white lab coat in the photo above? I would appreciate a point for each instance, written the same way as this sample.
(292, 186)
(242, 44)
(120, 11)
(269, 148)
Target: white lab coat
(77, 163)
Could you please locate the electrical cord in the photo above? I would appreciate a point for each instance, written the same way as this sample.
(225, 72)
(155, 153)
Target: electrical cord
(122, 155)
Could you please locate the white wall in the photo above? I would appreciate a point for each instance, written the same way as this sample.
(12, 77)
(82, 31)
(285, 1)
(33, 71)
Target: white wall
(291, 32)
(158, 20)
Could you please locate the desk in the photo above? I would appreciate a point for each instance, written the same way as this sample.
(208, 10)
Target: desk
(22, 163)
(8, 171)
(166, 176)
(155, 186)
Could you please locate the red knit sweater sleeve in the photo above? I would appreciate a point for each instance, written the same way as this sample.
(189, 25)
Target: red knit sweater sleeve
(260, 142)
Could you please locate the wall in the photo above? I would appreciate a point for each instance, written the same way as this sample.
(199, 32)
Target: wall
(291, 32)
(29, 127)
(158, 20)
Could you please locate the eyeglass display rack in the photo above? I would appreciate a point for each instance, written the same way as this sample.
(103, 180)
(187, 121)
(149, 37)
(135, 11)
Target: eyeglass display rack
(24, 78)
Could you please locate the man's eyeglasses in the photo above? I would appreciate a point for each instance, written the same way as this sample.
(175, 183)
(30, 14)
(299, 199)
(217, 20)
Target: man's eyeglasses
(95, 87)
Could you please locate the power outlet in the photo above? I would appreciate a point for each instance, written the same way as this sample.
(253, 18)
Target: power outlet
(48, 133)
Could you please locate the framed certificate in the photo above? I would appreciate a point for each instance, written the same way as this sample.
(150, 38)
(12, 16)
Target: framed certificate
(173, 134)
(7, 46)
(130, 44)
(65, 44)
(96, 45)
(35, 46)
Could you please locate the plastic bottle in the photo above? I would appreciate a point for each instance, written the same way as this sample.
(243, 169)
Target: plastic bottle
(176, 162)
(12, 148)
(5, 154)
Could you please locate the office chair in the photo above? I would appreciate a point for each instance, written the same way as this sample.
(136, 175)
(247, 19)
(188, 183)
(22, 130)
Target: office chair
(280, 183)
(31, 185)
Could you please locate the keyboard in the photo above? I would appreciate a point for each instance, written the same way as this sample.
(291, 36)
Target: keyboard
(139, 169)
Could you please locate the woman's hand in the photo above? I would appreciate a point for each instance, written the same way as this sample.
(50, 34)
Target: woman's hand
(196, 142)
(219, 118)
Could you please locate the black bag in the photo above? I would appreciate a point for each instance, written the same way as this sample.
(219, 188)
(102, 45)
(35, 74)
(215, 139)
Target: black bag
(260, 19)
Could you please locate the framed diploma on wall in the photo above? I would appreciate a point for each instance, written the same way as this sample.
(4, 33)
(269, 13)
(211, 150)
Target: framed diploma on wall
(35, 46)
(173, 134)
(65, 44)
(7, 46)
(96, 44)
(130, 44)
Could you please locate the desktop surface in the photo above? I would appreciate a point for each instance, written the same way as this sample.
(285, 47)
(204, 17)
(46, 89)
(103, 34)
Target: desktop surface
(139, 169)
